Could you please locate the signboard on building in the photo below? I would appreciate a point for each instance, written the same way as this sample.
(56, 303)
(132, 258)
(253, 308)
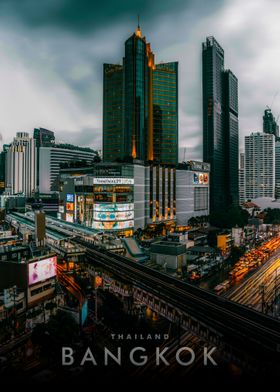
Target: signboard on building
(122, 225)
(200, 178)
(70, 197)
(41, 270)
(113, 207)
(113, 216)
(70, 206)
(113, 181)
(61, 209)
(69, 217)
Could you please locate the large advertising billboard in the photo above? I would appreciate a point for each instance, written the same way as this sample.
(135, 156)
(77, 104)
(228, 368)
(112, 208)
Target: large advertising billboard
(113, 181)
(69, 217)
(200, 178)
(113, 216)
(113, 207)
(41, 270)
(70, 197)
(113, 225)
(70, 206)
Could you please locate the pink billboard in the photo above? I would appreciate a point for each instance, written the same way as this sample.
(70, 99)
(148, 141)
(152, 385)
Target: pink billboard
(41, 270)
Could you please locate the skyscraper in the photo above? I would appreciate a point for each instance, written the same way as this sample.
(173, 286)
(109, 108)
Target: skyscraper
(113, 131)
(259, 165)
(242, 197)
(269, 123)
(21, 173)
(220, 126)
(277, 169)
(140, 106)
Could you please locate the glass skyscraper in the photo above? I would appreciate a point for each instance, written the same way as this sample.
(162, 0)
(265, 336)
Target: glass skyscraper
(220, 126)
(140, 106)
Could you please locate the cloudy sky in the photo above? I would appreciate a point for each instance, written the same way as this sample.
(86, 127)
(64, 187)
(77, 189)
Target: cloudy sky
(52, 51)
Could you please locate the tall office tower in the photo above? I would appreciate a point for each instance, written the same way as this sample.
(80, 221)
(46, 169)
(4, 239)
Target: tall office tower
(21, 173)
(277, 170)
(43, 137)
(269, 123)
(113, 132)
(230, 129)
(242, 196)
(259, 165)
(220, 126)
(140, 106)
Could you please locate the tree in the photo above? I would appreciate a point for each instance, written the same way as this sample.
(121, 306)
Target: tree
(272, 215)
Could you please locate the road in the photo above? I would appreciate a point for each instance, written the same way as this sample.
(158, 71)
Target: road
(237, 324)
(259, 287)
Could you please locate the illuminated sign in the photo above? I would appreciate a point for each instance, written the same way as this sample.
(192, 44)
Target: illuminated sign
(111, 216)
(70, 197)
(69, 217)
(113, 181)
(61, 209)
(41, 270)
(70, 206)
(113, 225)
(58, 215)
(113, 207)
(200, 178)
(98, 281)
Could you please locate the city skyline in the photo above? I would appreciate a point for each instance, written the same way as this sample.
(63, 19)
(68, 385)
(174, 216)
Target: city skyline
(52, 65)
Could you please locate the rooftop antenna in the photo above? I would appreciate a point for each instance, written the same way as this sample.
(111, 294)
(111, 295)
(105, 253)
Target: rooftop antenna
(138, 18)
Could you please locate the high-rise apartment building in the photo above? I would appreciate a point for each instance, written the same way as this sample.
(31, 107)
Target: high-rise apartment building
(21, 157)
(270, 124)
(242, 197)
(140, 106)
(277, 169)
(220, 126)
(259, 165)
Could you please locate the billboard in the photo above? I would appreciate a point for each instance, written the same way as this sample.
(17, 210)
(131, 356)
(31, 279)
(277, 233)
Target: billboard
(113, 207)
(41, 270)
(70, 197)
(69, 217)
(70, 206)
(113, 225)
(61, 209)
(113, 216)
(113, 181)
(200, 178)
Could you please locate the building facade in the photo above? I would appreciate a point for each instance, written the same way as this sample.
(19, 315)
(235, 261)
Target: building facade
(259, 165)
(140, 106)
(220, 125)
(21, 164)
(192, 191)
(119, 197)
(51, 159)
(241, 180)
(277, 169)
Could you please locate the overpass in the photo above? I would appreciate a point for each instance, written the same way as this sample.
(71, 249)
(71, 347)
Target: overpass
(235, 326)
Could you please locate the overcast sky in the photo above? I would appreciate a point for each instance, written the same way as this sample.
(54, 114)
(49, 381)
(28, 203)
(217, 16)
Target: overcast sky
(52, 51)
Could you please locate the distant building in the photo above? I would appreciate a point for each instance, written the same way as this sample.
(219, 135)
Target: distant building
(51, 159)
(277, 169)
(140, 106)
(242, 197)
(270, 125)
(169, 254)
(220, 126)
(192, 191)
(21, 163)
(224, 243)
(259, 165)
(3, 168)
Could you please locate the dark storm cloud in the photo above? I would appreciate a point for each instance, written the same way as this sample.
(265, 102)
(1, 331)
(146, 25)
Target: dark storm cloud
(83, 16)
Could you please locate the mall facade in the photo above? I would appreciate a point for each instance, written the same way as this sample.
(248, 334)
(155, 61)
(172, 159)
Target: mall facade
(122, 197)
